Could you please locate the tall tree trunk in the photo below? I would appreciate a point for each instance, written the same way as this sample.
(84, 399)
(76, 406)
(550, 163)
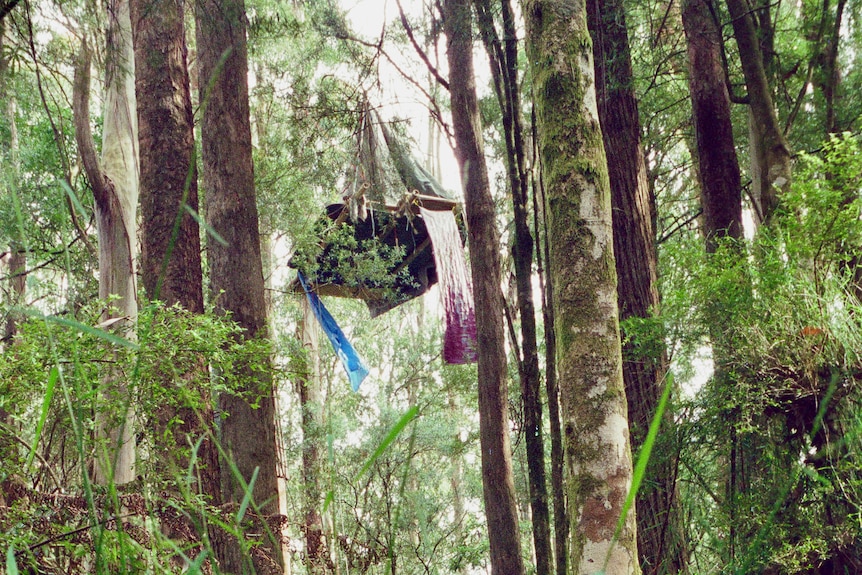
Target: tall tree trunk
(311, 404)
(15, 268)
(504, 68)
(589, 360)
(661, 536)
(15, 261)
(115, 190)
(13, 264)
(497, 478)
(829, 76)
(719, 174)
(456, 479)
(771, 167)
(170, 258)
(720, 186)
(248, 433)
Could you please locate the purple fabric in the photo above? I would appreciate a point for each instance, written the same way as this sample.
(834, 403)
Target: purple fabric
(459, 339)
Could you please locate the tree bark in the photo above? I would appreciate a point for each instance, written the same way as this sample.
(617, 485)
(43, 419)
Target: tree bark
(589, 361)
(497, 476)
(170, 259)
(829, 76)
(771, 169)
(720, 186)
(248, 433)
(115, 189)
(719, 174)
(15, 261)
(661, 536)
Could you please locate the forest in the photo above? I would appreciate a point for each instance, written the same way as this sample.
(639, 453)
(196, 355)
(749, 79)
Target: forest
(431, 287)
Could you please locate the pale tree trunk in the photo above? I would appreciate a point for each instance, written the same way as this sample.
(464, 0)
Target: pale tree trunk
(13, 264)
(14, 267)
(497, 477)
(661, 536)
(248, 432)
(830, 73)
(770, 151)
(598, 461)
(311, 403)
(456, 480)
(115, 189)
(170, 254)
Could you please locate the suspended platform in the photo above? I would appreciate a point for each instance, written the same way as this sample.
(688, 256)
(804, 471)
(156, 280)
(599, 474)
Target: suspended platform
(400, 226)
(375, 245)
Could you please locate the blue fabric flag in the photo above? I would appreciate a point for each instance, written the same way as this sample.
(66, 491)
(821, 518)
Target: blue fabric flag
(352, 363)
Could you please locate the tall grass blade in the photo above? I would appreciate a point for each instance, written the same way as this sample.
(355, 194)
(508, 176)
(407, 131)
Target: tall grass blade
(73, 197)
(390, 437)
(387, 441)
(82, 327)
(209, 229)
(195, 567)
(11, 564)
(247, 497)
(53, 376)
(643, 459)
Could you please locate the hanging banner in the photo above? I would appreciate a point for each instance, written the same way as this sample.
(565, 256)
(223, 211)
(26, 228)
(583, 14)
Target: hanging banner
(351, 361)
(456, 287)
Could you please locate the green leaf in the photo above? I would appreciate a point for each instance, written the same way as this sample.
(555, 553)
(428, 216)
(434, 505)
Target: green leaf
(197, 217)
(196, 565)
(53, 376)
(387, 441)
(330, 497)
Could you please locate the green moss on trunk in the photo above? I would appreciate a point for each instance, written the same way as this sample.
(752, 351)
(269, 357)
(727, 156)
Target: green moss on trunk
(583, 276)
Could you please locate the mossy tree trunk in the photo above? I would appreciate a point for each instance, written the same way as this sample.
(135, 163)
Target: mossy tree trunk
(661, 537)
(598, 461)
(13, 262)
(483, 238)
(248, 432)
(552, 389)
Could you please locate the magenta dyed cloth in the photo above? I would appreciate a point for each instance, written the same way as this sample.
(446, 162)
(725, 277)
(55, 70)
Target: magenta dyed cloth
(456, 287)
